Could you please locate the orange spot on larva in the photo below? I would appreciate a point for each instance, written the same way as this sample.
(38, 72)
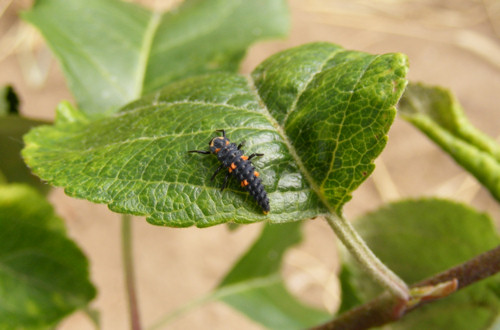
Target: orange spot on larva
(244, 157)
(244, 183)
(256, 173)
(233, 166)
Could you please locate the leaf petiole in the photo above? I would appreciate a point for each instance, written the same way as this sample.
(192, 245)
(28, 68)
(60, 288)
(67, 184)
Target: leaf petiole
(366, 258)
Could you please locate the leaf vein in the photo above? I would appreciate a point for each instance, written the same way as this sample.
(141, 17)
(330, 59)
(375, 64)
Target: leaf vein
(184, 102)
(145, 51)
(306, 85)
(341, 125)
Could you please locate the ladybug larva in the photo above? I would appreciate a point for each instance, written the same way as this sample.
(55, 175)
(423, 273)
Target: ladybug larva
(239, 165)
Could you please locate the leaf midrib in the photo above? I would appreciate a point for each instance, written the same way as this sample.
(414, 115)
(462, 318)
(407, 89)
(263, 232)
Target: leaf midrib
(184, 40)
(317, 189)
(334, 152)
(206, 30)
(145, 51)
(146, 47)
(247, 285)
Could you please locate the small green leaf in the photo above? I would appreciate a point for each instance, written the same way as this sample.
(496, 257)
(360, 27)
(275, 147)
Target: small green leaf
(349, 293)
(125, 51)
(136, 160)
(12, 129)
(437, 113)
(43, 274)
(419, 238)
(9, 102)
(255, 287)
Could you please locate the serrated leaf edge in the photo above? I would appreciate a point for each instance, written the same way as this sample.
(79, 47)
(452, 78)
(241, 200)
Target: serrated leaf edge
(280, 129)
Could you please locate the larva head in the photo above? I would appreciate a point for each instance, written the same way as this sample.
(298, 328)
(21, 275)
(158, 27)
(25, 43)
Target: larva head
(217, 143)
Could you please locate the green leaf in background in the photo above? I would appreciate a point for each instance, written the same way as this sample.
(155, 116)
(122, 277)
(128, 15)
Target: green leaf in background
(256, 288)
(437, 113)
(43, 274)
(350, 297)
(419, 238)
(9, 102)
(12, 129)
(113, 52)
(136, 160)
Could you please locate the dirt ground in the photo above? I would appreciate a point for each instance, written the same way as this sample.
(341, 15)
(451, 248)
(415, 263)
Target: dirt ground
(452, 43)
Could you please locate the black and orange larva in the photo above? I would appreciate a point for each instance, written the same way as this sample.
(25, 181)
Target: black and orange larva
(232, 158)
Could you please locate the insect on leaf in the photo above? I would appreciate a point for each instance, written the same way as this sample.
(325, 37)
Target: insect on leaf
(318, 113)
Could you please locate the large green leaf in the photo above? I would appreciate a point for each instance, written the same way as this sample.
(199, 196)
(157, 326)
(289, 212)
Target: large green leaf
(339, 107)
(43, 274)
(419, 238)
(255, 287)
(112, 52)
(437, 113)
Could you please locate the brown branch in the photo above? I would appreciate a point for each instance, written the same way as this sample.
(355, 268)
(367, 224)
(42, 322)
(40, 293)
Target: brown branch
(386, 308)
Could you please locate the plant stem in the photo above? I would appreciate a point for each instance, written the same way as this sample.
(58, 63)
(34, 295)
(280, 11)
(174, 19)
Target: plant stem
(128, 268)
(370, 263)
(218, 294)
(379, 311)
(182, 310)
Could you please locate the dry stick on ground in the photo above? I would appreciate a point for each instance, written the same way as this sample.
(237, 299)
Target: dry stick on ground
(386, 308)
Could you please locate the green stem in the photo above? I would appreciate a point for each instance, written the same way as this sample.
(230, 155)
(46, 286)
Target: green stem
(182, 310)
(370, 263)
(128, 268)
(218, 294)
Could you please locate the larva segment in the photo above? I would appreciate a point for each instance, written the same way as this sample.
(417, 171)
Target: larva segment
(240, 166)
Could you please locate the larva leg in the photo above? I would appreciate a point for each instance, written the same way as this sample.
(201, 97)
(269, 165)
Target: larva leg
(226, 180)
(199, 152)
(217, 171)
(254, 155)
